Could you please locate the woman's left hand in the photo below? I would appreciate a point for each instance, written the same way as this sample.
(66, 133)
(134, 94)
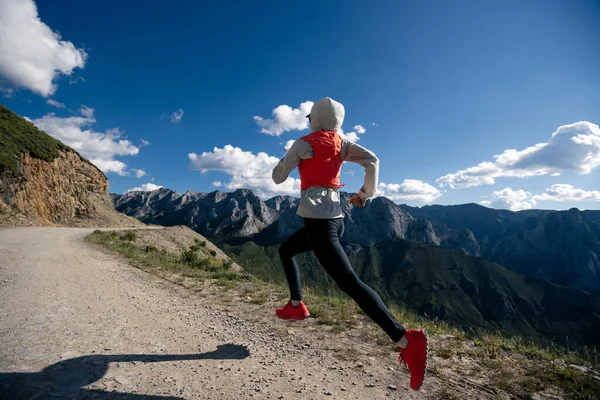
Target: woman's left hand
(355, 200)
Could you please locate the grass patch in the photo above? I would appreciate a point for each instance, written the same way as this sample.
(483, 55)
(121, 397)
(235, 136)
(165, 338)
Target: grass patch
(192, 263)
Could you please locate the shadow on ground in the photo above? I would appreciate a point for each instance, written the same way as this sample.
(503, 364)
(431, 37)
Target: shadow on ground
(67, 378)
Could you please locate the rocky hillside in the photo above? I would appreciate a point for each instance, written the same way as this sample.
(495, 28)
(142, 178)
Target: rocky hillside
(43, 182)
(560, 246)
(216, 215)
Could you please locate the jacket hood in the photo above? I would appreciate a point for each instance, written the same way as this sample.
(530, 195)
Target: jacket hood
(327, 114)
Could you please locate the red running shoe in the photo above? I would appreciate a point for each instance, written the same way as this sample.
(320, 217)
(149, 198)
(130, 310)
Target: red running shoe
(414, 356)
(291, 312)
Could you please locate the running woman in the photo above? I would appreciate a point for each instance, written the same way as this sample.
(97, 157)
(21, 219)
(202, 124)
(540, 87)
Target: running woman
(319, 157)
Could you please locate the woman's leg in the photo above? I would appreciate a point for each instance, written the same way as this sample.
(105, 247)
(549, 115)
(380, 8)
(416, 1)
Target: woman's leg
(295, 244)
(323, 236)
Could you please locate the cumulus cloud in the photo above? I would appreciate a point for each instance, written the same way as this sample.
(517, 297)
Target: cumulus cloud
(55, 103)
(288, 145)
(247, 170)
(516, 200)
(350, 136)
(409, 190)
(508, 199)
(217, 183)
(359, 129)
(285, 118)
(86, 111)
(146, 187)
(574, 147)
(564, 193)
(139, 173)
(177, 116)
(98, 147)
(32, 55)
(144, 143)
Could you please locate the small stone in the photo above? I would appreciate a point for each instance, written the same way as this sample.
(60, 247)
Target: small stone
(580, 368)
(122, 380)
(390, 369)
(328, 393)
(370, 385)
(392, 387)
(343, 389)
(359, 365)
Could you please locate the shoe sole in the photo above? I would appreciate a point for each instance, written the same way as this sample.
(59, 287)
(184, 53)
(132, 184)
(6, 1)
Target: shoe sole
(426, 357)
(292, 318)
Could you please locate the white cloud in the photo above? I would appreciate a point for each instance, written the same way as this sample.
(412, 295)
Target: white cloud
(106, 166)
(288, 145)
(374, 124)
(564, 192)
(86, 111)
(350, 136)
(177, 116)
(139, 173)
(409, 190)
(55, 103)
(359, 129)
(32, 55)
(217, 183)
(146, 187)
(98, 147)
(247, 170)
(574, 147)
(508, 199)
(144, 143)
(285, 118)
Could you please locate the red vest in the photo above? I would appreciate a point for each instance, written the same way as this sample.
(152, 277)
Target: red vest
(325, 167)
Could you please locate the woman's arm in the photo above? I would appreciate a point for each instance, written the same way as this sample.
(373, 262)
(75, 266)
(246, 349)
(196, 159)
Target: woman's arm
(300, 150)
(367, 159)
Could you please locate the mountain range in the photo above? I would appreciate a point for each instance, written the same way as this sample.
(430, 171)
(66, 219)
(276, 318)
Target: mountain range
(531, 273)
(562, 247)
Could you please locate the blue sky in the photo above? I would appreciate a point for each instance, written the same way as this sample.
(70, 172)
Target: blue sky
(439, 87)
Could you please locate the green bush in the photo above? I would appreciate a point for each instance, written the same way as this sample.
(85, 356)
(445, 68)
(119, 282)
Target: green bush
(129, 236)
(19, 136)
(228, 264)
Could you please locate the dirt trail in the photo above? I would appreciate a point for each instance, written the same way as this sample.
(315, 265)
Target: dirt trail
(78, 323)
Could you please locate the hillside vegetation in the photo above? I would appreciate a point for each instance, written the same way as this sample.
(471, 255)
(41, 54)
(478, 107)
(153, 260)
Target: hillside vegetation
(19, 136)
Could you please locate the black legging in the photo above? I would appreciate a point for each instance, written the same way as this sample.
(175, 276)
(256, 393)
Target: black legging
(322, 236)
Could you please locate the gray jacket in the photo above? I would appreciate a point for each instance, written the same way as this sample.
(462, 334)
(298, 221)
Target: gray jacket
(323, 202)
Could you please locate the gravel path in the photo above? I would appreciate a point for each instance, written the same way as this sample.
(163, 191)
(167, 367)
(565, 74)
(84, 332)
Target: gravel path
(78, 323)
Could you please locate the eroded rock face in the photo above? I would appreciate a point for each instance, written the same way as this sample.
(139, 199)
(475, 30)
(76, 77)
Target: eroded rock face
(421, 230)
(66, 191)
